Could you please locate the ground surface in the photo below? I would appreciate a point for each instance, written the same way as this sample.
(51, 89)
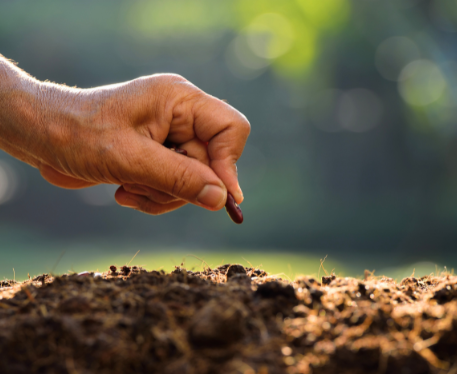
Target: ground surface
(230, 319)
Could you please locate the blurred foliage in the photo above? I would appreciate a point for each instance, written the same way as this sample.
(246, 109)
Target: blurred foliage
(352, 106)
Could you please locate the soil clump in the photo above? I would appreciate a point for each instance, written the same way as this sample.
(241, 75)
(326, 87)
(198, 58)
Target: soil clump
(230, 319)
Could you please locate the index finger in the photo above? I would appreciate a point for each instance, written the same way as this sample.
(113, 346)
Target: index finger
(226, 131)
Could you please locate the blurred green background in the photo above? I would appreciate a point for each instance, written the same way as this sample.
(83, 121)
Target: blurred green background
(353, 150)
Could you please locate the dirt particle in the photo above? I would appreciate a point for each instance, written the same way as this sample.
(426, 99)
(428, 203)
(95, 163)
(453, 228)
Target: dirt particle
(273, 289)
(328, 279)
(235, 269)
(219, 323)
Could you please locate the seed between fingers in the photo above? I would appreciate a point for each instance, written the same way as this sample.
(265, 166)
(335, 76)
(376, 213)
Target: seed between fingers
(232, 208)
(181, 151)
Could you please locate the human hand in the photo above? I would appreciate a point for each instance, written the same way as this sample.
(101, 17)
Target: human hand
(115, 134)
(121, 142)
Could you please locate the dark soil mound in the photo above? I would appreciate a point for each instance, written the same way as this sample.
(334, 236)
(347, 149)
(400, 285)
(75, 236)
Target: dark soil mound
(227, 320)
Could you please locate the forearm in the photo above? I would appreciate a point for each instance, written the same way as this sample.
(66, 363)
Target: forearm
(18, 105)
(30, 114)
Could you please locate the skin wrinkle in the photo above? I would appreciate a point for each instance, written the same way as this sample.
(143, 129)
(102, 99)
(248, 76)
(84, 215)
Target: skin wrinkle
(177, 181)
(130, 158)
(113, 179)
(23, 155)
(159, 112)
(52, 125)
(154, 208)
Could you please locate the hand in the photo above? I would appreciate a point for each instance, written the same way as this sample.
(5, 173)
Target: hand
(115, 134)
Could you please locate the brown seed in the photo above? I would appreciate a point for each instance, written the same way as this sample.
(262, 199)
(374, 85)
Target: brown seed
(233, 209)
(181, 151)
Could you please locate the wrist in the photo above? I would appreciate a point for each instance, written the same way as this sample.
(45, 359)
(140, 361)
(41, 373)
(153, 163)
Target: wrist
(35, 117)
(16, 105)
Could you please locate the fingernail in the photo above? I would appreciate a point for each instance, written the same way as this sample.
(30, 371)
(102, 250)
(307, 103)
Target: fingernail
(134, 188)
(211, 195)
(238, 196)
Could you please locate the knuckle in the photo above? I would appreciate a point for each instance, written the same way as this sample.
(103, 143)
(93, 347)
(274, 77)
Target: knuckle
(245, 126)
(175, 77)
(158, 80)
(169, 78)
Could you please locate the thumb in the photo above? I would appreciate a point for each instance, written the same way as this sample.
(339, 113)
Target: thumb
(180, 176)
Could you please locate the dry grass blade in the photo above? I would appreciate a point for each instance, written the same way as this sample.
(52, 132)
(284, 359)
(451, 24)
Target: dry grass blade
(133, 257)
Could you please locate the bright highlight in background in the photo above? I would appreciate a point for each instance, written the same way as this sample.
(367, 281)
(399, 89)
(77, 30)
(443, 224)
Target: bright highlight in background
(270, 35)
(421, 83)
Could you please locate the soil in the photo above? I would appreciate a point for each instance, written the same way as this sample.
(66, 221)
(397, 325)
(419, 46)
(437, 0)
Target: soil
(230, 319)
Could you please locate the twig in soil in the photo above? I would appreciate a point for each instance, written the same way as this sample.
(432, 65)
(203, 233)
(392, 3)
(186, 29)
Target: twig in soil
(431, 358)
(133, 257)
(29, 294)
(322, 266)
(367, 273)
(14, 278)
(56, 263)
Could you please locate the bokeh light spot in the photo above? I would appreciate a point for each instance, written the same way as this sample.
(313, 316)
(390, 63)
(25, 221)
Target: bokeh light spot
(298, 60)
(327, 14)
(270, 35)
(242, 62)
(421, 83)
(159, 18)
(393, 54)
